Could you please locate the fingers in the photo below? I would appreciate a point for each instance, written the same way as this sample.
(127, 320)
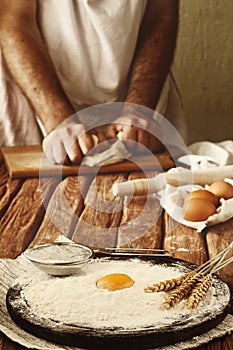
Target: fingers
(48, 149)
(56, 150)
(100, 135)
(103, 143)
(137, 133)
(154, 144)
(142, 141)
(86, 143)
(59, 153)
(112, 130)
(71, 143)
(62, 145)
(129, 135)
(74, 153)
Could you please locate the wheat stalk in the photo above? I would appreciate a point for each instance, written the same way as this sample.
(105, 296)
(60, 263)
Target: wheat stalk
(193, 285)
(166, 285)
(199, 292)
(216, 262)
(181, 292)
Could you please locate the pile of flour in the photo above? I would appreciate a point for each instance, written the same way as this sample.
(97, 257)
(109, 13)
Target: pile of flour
(76, 300)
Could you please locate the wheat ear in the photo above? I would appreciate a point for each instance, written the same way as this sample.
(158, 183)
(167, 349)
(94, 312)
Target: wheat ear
(181, 292)
(165, 286)
(199, 292)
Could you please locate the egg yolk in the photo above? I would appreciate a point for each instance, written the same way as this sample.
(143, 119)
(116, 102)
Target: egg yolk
(114, 281)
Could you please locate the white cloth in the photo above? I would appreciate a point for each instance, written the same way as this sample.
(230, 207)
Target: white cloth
(172, 200)
(116, 153)
(91, 44)
(203, 155)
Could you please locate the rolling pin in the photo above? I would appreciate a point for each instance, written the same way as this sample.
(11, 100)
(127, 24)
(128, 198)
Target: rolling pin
(175, 177)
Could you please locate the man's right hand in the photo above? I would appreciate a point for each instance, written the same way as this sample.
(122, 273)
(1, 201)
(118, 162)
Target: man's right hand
(70, 143)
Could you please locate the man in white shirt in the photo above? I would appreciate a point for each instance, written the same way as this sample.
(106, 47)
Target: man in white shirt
(58, 57)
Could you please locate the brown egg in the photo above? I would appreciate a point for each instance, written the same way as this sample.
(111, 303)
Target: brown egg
(114, 281)
(202, 194)
(222, 189)
(198, 209)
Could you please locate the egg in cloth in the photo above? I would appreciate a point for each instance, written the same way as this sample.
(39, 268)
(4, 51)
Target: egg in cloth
(198, 209)
(114, 281)
(222, 189)
(204, 194)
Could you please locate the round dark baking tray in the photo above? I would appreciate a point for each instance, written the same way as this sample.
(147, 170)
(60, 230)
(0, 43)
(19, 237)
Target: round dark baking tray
(115, 338)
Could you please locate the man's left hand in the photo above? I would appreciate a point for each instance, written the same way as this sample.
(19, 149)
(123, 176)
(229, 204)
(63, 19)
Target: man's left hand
(139, 129)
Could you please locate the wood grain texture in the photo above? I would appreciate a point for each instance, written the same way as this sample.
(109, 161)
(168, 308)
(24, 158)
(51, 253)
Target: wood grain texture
(141, 222)
(6, 344)
(28, 161)
(184, 242)
(219, 237)
(7, 193)
(64, 209)
(100, 219)
(22, 219)
(4, 175)
(219, 344)
(8, 188)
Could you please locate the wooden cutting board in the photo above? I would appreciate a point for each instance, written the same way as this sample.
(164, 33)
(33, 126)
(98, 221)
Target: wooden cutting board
(29, 161)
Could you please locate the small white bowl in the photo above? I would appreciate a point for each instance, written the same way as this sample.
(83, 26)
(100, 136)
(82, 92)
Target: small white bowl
(59, 258)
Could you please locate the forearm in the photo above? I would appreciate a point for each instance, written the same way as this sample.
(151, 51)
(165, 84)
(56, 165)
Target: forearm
(153, 56)
(31, 66)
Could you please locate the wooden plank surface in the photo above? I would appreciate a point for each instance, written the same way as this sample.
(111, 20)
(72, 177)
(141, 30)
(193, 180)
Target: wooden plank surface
(219, 237)
(141, 222)
(4, 176)
(8, 188)
(100, 219)
(184, 242)
(64, 209)
(6, 344)
(22, 219)
(29, 161)
(7, 192)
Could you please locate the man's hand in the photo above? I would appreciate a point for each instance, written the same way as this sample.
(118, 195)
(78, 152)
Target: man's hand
(70, 143)
(140, 129)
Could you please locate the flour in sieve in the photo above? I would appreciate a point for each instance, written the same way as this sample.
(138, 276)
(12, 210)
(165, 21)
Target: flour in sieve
(58, 253)
(76, 299)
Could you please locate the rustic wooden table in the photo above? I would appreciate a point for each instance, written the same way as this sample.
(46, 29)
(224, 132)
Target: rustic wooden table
(84, 209)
